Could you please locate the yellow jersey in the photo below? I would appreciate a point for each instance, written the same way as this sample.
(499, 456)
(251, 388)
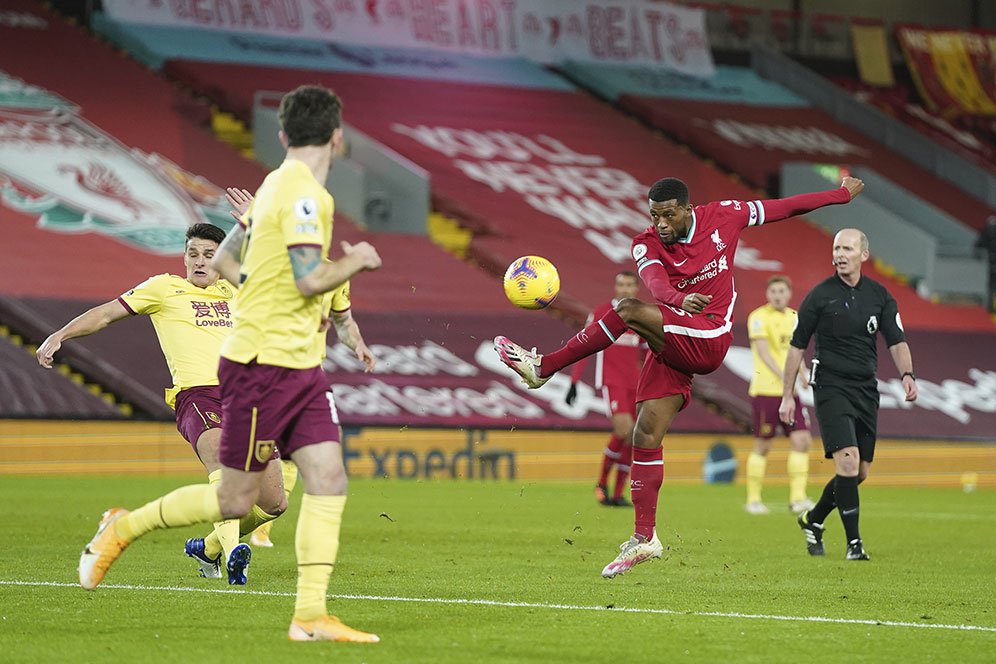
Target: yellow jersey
(191, 323)
(275, 324)
(766, 322)
(333, 302)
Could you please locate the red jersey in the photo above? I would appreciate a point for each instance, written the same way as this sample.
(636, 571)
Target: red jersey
(619, 364)
(702, 262)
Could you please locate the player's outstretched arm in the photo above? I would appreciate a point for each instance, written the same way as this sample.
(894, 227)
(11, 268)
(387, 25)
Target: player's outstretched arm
(314, 275)
(786, 411)
(85, 324)
(227, 260)
(776, 209)
(904, 363)
(348, 331)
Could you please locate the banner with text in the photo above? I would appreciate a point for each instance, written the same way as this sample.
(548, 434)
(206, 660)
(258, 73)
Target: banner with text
(952, 69)
(956, 377)
(654, 33)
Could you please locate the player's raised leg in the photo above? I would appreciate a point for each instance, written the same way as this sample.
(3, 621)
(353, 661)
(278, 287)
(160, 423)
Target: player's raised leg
(630, 313)
(317, 544)
(186, 506)
(653, 419)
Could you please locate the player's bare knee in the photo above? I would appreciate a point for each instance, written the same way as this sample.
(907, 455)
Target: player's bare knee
(646, 440)
(273, 503)
(628, 309)
(234, 506)
(762, 446)
(847, 463)
(235, 501)
(801, 443)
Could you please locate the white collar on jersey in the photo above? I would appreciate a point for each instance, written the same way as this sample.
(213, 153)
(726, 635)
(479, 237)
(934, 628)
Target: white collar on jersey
(691, 231)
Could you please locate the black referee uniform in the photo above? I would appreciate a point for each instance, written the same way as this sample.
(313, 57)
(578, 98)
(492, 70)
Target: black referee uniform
(846, 320)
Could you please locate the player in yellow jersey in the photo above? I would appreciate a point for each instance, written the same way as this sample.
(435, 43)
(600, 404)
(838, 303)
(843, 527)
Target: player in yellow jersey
(192, 315)
(770, 329)
(274, 391)
(336, 306)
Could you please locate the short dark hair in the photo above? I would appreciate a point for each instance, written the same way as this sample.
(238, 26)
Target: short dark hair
(669, 189)
(780, 279)
(628, 273)
(205, 232)
(309, 114)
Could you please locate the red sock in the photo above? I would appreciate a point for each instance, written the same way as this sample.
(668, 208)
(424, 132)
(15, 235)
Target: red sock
(598, 336)
(610, 456)
(644, 486)
(622, 470)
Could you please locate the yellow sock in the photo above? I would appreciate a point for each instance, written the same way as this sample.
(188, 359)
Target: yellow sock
(225, 535)
(186, 506)
(317, 544)
(798, 472)
(263, 530)
(255, 520)
(756, 465)
(289, 470)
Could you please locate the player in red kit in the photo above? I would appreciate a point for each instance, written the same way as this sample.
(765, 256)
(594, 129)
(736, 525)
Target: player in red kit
(686, 261)
(617, 369)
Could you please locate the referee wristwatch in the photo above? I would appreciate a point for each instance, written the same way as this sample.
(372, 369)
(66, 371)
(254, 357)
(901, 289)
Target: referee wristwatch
(908, 373)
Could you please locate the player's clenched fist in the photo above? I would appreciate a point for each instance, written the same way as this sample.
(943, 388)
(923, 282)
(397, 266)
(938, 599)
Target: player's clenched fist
(854, 186)
(365, 252)
(695, 302)
(786, 411)
(47, 350)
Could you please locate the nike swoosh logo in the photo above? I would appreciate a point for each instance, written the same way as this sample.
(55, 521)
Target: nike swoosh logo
(681, 263)
(849, 512)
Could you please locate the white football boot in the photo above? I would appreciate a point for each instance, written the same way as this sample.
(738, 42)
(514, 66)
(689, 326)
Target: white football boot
(523, 362)
(633, 552)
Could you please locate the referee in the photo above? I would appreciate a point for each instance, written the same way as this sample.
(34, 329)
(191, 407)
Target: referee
(845, 312)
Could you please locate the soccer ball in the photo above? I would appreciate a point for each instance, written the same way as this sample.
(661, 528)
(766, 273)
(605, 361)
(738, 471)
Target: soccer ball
(531, 282)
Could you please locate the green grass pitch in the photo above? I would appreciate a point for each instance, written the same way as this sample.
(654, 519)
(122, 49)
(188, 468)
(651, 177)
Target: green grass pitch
(526, 557)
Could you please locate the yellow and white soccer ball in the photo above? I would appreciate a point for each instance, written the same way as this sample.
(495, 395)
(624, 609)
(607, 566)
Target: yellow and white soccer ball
(531, 282)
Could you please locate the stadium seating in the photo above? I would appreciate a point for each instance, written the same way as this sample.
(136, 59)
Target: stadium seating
(496, 156)
(428, 314)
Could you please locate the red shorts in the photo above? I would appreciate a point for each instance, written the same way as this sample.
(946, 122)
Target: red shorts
(766, 421)
(693, 344)
(269, 408)
(197, 410)
(619, 400)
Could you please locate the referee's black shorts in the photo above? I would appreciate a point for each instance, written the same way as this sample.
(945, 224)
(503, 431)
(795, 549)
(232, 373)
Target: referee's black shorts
(848, 417)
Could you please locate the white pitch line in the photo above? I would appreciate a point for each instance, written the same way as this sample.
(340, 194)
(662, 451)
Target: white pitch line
(528, 605)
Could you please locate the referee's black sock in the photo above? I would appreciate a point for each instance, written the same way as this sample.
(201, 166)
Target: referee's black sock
(846, 494)
(824, 505)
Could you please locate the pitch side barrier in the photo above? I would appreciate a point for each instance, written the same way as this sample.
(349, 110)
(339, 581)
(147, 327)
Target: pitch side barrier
(469, 455)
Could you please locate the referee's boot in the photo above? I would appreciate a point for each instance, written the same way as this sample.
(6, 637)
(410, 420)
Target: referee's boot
(814, 535)
(856, 551)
